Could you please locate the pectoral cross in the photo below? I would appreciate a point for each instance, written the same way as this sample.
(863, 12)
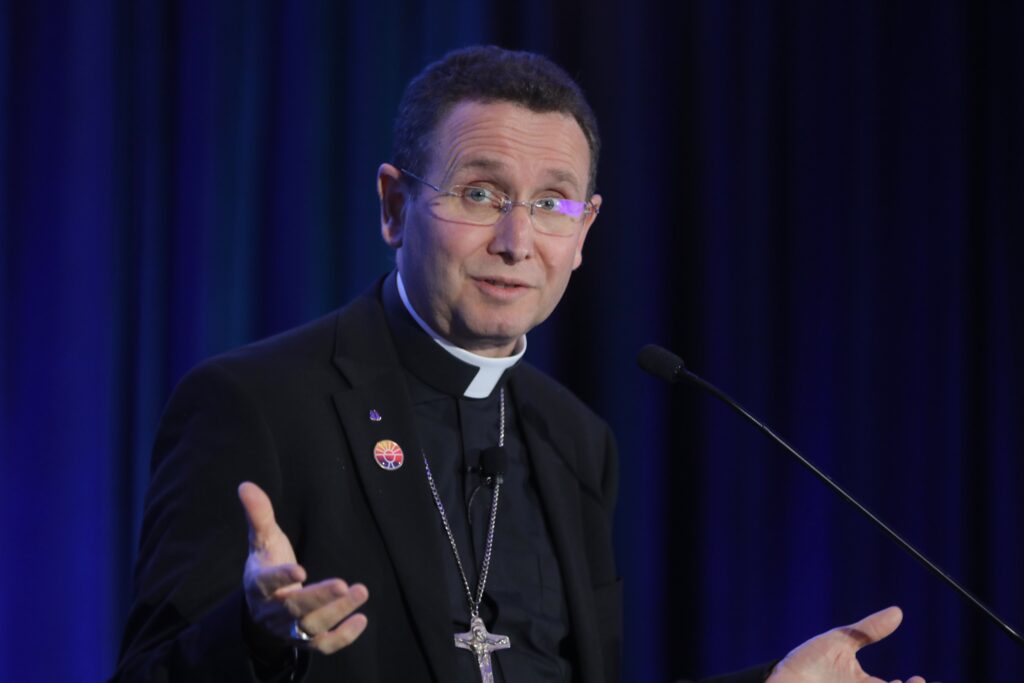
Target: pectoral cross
(481, 643)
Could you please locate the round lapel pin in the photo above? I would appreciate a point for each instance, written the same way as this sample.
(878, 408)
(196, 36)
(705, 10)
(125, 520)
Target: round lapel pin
(388, 454)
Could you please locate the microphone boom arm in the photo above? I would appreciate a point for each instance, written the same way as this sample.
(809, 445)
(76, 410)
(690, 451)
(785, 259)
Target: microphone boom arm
(664, 364)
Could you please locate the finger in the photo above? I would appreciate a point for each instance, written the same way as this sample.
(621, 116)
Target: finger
(277, 580)
(258, 512)
(916, 679)
(314, 596)
(331, 614)
(873, 628)
(342, 636)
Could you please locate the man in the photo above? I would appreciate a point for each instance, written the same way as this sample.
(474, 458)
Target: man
(399, 447)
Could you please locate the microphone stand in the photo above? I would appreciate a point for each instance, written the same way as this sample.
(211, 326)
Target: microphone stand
(665, 365)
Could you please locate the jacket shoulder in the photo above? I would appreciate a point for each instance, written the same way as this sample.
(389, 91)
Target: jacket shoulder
(301, 356)
(541, 388)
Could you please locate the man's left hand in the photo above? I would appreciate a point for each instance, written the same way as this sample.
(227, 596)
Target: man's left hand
(832, 656)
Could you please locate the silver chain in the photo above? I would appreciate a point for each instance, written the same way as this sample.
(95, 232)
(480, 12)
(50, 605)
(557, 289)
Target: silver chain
(474, 604)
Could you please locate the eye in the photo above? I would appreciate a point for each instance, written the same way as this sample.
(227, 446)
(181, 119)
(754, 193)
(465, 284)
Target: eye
(478, 195)
(560, 206)
(549, 205)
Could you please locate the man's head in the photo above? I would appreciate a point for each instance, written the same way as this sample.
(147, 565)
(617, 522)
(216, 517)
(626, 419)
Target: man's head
(486, 74)
(508, 124)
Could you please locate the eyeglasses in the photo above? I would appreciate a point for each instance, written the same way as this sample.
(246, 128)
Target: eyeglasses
(477, 205)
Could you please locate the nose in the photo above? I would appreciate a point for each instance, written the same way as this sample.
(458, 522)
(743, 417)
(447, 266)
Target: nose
(513, 234)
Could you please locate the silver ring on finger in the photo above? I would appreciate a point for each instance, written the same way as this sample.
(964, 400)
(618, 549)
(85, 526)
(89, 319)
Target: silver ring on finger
(300, 634)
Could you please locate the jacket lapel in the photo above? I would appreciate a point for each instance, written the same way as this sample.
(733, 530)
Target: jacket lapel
(553, 461)
(398, 498)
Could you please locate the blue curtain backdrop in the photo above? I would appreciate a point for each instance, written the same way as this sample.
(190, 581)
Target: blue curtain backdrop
(819, 204)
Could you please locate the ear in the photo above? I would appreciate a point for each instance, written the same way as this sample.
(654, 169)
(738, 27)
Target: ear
(578, 256)
(393, 195)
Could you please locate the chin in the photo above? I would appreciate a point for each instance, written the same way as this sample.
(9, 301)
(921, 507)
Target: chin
(495, 335)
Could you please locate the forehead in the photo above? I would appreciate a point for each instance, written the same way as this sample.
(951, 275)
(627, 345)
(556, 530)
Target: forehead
(504, 138)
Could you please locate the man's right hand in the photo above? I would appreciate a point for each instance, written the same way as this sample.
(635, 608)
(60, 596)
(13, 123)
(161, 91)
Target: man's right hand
(274, 592)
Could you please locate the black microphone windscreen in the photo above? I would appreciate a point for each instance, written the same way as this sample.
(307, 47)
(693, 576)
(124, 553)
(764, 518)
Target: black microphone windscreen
(494, 461)
(660, 362)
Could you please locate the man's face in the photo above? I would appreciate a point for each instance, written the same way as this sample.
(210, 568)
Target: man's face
(482, 287)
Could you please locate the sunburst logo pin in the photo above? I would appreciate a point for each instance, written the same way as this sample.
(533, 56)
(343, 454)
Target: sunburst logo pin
(388, 454)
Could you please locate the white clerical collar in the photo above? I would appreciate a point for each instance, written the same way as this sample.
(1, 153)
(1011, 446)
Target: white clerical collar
(489, 370)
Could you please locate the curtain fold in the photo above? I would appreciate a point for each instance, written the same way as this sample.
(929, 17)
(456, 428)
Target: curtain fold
(819, 205)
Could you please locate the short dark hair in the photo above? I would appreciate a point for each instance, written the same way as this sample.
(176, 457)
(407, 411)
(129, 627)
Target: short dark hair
(486, 74)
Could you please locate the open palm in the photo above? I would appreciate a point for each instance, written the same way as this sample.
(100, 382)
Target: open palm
(832, 656)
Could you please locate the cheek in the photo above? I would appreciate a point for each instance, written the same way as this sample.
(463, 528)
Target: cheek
(438, 262)
(561, 262)
(561, 259)
(443, 256)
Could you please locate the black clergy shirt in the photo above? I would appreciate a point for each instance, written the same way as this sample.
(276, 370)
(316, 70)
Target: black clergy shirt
(524, 597)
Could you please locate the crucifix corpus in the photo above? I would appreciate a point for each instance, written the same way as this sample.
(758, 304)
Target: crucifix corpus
(481, 643)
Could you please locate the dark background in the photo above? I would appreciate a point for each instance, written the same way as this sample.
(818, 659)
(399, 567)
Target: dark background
(818, 204)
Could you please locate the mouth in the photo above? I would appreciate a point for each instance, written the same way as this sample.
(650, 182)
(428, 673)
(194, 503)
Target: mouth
(502, 283)
(502, 288)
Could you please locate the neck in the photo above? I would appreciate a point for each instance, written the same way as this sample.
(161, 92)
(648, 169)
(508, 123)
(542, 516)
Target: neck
(491, 362)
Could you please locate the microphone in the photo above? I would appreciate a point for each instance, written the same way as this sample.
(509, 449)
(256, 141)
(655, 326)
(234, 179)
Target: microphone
(666, 365)
(494, 464)
(660, 362)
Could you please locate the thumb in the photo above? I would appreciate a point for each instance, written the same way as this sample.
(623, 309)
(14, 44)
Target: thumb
(872, 628)
(258, 512)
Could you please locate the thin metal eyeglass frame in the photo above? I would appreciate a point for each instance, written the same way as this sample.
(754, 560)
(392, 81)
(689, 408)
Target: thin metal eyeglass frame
(507, 204)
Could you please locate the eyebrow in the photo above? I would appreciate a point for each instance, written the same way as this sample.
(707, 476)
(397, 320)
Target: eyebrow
(485, 164)
(564, 177)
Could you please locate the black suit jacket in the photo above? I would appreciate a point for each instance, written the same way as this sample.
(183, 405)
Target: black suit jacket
(291, 413)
